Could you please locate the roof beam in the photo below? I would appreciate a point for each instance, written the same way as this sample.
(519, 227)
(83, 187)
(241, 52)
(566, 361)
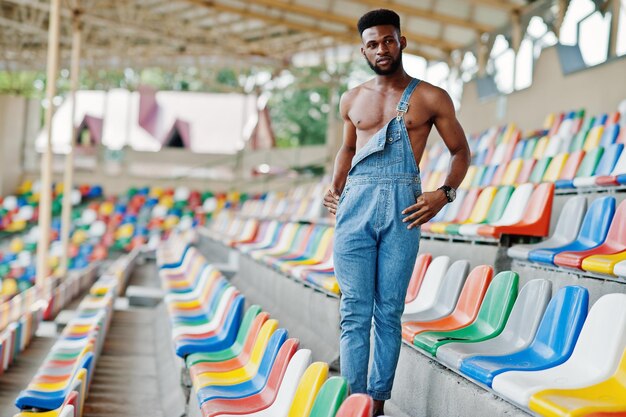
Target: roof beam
(427, 14)
(349, 22)
(497, 4)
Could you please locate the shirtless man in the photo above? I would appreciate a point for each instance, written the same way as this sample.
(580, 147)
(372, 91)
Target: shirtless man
(378, 202)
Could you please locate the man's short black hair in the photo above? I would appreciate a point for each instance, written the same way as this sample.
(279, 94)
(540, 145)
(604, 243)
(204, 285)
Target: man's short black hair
(378, 17)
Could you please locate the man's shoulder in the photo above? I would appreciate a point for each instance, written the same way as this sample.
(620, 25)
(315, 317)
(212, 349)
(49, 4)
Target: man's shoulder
(353, 92)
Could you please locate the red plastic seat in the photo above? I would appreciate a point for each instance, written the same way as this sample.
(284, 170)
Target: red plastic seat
(615, 242)
(536, 222)
(419, 270)
(356, 405)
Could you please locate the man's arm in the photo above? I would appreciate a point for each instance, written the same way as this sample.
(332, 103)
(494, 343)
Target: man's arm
(450, 130)
(343, 160)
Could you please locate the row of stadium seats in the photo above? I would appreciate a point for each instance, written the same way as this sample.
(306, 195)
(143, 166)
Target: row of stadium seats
(493, 211)
(17, 334)
(242, 363)
(539, 351)
(61, 384)
(591, 239)
(298, 250)
(568, 147)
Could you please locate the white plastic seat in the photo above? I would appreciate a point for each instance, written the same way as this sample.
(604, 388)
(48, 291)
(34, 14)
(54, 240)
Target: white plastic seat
(596, 355)
(553, 147)
(265, 241)
(282, 245)
(448, 294)
(566, 230)
(454, 207)
(620, 269)
(518, 333)
(281, 405)
(193, 294)
(221, 310)
(191, 254)
(433, 279)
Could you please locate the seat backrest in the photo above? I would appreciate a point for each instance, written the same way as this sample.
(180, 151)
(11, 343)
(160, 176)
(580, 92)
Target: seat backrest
(295, 370)
(620, 164)
(602, 339)
(528, 166)
(590, 162)
(432, 282)
(595, 134)
(330, 397)
(556, 166)
(263, 339)
(499, 203)
(620, 372)
(497, 176)
(516, 205)
(529, 148)
(597, 220)
(480, 209)
(309, 386)
(527, 312)
(357, 405)
(455, 206)
(617, 232)
(609, 159)
(571, 218)
(473, 291)
(553, 146)
(540, 169)
(488, 175)
(562, 321)
(498, 300)
(610, 134)
(469, 177)
(540, 203)
(518, 152)
(468, 205)
(450, 289)
(512, 172)
(571, 166)
(478, 177)
(422, 262)
(581, 136)
(274, 364)
(540, 148)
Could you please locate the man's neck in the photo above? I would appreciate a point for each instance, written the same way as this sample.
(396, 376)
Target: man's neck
(398, 79)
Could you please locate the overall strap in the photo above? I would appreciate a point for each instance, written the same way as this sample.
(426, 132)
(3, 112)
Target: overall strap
(403, 105)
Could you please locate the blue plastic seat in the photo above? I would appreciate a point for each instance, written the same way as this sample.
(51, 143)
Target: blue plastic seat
(519, 149)
(203, 313)
(223, 339)
(553, 344)
(251, 386)
(610, 134)
(621, 179)
(605, 166)
(488, 175)
(592, 232)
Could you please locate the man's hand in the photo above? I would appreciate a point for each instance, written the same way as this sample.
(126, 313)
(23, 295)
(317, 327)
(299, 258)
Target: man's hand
(425, 208)
(331, 200)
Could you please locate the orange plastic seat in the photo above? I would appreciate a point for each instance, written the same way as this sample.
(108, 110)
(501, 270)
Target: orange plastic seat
(466, 308)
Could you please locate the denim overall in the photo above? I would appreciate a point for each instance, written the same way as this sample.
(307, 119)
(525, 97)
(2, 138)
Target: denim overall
(374, 253)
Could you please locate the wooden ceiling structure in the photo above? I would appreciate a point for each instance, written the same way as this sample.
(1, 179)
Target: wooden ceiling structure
(164, 33)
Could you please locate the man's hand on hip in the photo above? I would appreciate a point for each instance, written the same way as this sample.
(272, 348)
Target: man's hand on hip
(331, 200)
(425, 208)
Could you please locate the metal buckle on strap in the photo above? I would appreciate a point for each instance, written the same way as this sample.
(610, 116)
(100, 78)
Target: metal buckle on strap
(401, 111)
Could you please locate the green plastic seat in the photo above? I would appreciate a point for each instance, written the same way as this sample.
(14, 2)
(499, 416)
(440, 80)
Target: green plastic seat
(479, 211)
(498, 205)
(589, 163)
(579, 140)
(231, 351)
(478, 177)
(330, 397)
(529, 149)
(492, 316)
(540, 168)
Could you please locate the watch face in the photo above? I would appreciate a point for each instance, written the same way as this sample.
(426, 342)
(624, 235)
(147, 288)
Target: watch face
(451, 194)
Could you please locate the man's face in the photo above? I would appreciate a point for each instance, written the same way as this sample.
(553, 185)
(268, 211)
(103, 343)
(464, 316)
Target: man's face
(382, 48)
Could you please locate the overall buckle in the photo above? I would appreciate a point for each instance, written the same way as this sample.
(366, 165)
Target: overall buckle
(401, 109)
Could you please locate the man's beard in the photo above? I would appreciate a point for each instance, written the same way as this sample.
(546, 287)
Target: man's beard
(395, 64)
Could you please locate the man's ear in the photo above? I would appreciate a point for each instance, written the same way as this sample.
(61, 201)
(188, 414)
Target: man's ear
(402, 42)
(362, 51)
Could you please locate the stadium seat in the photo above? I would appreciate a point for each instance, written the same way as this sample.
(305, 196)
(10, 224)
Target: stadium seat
(587, 167)
(595, 133)
(601, 259)
(496, 209)
(592, 232)
(554, 169)
(569, 170)
(536, 221)
(604, 168)
(512, 172)
(330, 397)
(356, 405)
(478, 177)
(479, 211)
(422, 262)
(552, 345)
(618, 169)
(539, 169)
(433, 280)
(527, 168)
(491, 318)
(469, 178)
(451, 213)
(447, 294)
(604, 399)
(611, 130)
(595, 357)
(565, 232)
(518, 332)
(514, 211)
(620, 269)
(465, 310)
(579, 140)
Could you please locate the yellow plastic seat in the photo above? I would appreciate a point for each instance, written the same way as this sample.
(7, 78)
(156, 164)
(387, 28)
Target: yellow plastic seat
(310, 384)
(593, 138)
(321, 250)
(603, 264)
(481, 208)
(433, 181)
(556, 166)
(607, 396)
(540, 147)
(512, 172)
(247, 371)
(469, 178)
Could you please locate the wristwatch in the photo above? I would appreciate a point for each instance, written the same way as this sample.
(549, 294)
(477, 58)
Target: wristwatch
(449, 191)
